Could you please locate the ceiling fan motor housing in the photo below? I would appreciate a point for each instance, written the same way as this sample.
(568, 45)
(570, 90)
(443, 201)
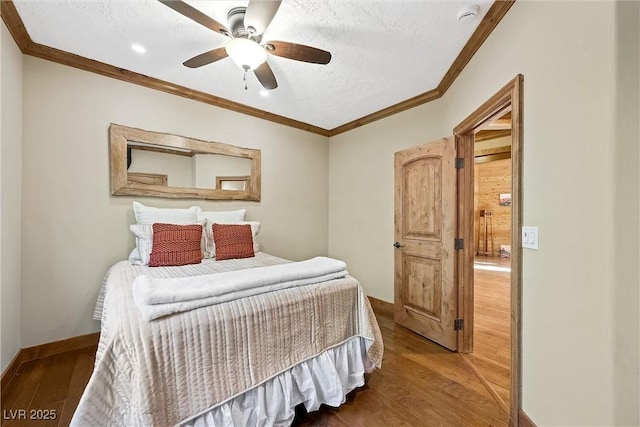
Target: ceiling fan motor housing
(235, 17)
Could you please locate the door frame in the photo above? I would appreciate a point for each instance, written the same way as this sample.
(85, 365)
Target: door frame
(509, 98)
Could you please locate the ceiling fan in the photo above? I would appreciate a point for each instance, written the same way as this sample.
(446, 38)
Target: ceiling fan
(246, 49)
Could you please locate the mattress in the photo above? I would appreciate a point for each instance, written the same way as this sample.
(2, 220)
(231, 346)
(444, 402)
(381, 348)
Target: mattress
(191, 367)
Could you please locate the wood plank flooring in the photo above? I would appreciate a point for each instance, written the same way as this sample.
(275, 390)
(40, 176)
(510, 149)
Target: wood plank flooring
(420, 384)
(492, 324)
(47, 388)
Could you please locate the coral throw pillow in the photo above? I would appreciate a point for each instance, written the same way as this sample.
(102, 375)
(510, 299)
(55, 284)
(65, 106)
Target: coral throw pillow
(233, 241)
(175, 245)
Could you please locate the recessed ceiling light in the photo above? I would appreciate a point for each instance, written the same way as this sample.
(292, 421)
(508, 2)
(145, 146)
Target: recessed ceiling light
(468, 13)
(264, 92)
(138, 48)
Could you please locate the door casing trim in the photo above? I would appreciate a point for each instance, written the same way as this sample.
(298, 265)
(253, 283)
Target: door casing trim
(509, 98)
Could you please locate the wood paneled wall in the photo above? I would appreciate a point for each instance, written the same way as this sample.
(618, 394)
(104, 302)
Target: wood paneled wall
(490, 180)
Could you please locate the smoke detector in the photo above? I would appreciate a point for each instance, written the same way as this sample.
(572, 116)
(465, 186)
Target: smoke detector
(468, 13)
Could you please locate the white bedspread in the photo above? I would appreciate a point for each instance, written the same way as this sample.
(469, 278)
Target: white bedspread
(175, 368)
(157, 297)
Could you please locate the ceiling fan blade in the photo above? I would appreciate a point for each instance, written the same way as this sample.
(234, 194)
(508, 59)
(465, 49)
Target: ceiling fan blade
(206, 58)
(195, 15)
(259, 15)
(299, 52)
(266, 77)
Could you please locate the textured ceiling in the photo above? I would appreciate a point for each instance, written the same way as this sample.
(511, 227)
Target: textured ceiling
(384, 52)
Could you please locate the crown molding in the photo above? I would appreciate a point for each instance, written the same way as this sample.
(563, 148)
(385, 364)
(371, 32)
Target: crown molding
(490, 21)
(28, 47)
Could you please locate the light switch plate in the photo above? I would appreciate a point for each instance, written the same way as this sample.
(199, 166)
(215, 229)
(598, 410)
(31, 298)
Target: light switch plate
(530, 237)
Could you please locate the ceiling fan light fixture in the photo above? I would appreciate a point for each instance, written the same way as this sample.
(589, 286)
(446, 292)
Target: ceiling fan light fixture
(246, 53)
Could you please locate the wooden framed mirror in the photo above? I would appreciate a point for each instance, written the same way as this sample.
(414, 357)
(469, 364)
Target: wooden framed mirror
(154, 164)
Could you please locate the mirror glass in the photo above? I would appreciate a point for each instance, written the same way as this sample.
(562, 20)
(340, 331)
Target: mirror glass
(191, 170)
(147, 163)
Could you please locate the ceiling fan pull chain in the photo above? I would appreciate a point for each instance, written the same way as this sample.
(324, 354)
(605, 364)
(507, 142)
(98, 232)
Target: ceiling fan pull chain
(245, 79)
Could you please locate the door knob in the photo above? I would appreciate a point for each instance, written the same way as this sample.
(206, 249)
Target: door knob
(397, 245)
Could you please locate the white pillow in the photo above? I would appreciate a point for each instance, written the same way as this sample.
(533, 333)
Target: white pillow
(134, 256)
(210, 252)
(222, 217)
(149, 215)
(144, 243)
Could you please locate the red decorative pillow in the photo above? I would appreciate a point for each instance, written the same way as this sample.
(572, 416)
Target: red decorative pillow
(233, 241)
(175, 245)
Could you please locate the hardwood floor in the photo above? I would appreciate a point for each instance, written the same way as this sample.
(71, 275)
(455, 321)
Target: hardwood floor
(47, 388)
(420, 384)
(492, 324)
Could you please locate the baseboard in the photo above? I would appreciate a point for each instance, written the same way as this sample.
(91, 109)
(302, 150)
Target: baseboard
(11, 370)
(524, 420)
(45, 350)
(62, 346)
(381, 307)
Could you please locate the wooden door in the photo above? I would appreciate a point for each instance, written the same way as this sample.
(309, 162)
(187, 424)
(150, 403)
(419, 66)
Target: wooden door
(425, 224)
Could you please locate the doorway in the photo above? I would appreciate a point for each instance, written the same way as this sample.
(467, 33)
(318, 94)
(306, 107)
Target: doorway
(436, 252)
(508, 100)
(491, 356)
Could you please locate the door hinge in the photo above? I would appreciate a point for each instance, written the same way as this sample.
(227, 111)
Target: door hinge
(458, 324)
(459, 162)
(458, 244)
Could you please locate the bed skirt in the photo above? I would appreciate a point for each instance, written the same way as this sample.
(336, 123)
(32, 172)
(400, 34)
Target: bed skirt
(323, 379)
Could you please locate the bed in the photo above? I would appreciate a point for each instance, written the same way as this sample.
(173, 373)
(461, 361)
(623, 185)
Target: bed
(245, 361)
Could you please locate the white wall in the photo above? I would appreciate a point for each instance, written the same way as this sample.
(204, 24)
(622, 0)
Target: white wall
(626, 302)
(570, 177)
(10, 195)
(569, 182)
(361, 230)
(73, 230)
